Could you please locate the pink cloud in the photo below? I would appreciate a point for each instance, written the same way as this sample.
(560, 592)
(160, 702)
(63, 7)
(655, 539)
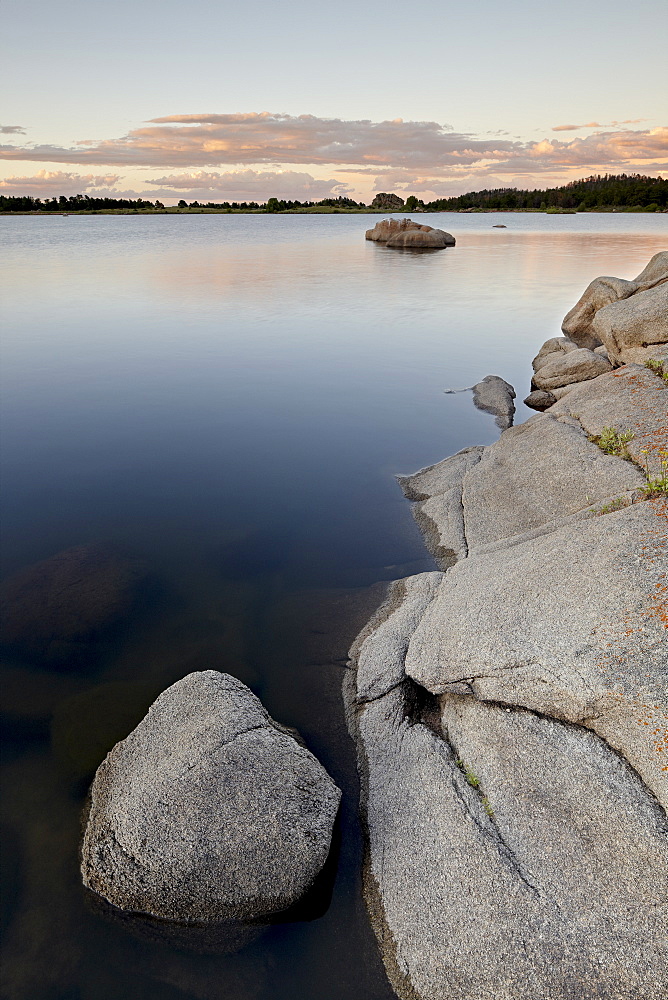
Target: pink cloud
(212, 140)
(46, 183)
(410, 156)
(248, 185)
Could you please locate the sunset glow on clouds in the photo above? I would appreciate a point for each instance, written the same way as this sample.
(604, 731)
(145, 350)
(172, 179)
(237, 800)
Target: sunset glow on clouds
(46, 183)
(422, 156)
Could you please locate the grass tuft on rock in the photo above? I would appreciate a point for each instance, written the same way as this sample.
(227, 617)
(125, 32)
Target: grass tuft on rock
(613, 442)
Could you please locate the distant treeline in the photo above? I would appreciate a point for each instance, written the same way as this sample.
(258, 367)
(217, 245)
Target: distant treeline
(88, 203)
(590, 194)
(598, 193)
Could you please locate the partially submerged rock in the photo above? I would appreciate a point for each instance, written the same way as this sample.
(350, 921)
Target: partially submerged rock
(425, 236)
(208, 810)
(494, 395)
(439, 510)
(383, 231)
(406, 233)
(53, 608)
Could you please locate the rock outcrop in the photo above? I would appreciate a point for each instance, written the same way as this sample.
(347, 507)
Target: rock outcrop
(511, 715)
(389, 202)
(579, 324)
(564, 368)
(629, 329)
(208, 810)
(406, 233)
(614, 323)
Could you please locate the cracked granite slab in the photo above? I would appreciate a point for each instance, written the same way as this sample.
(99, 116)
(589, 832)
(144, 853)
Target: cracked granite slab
(515, 781)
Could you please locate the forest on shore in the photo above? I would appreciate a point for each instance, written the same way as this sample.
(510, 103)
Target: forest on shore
(599, 193)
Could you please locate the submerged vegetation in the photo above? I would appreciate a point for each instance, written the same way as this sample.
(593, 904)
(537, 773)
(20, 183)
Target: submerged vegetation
(621, 192)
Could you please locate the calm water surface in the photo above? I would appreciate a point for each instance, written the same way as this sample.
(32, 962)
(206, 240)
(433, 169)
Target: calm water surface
(228, 399)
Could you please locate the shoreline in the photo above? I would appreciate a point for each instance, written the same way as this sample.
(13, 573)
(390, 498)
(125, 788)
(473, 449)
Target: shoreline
(335, 211)
(509, 713)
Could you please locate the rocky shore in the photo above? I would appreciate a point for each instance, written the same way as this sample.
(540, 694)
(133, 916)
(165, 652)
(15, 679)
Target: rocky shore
(510, 710)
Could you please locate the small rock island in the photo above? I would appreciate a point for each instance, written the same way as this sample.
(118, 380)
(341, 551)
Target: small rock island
(406, 233)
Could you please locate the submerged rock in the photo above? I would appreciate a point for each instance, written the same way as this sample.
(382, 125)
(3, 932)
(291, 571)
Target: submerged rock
(209, 810)
(53, 608)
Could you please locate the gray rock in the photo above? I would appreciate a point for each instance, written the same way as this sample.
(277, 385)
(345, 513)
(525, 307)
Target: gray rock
(53, 608)
(539, 400)
(634, 323)
(383, 645)
(551, 349)
(494, 395)
(424, 236)
(655, 273)
(577, 649)
(208, 810)
(563, 390)
(439, 511)
(603, 351)
(630, 399)
(578, 324)
(441, 477)
(549, 469)
(576, 366)
(385, 230)
(515, 782)
(600, 292)
(523, 881)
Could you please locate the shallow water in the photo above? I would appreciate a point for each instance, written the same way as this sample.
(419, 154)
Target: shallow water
(228, 399)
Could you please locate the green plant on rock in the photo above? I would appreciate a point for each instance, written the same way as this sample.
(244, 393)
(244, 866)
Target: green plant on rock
(473, 780)
(658, 367)
(471, 777)
(613, 442)
(617, 504)
(657, 486)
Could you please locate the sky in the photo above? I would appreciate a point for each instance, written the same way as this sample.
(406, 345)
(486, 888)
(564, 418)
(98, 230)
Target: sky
(245, 101)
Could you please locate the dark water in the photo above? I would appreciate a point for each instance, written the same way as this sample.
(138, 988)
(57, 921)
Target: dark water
(227, 400)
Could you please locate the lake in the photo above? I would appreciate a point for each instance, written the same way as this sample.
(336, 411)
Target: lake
(226, 400)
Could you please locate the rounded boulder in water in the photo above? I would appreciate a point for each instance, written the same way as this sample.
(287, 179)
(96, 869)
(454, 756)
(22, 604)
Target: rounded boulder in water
(209, 810)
